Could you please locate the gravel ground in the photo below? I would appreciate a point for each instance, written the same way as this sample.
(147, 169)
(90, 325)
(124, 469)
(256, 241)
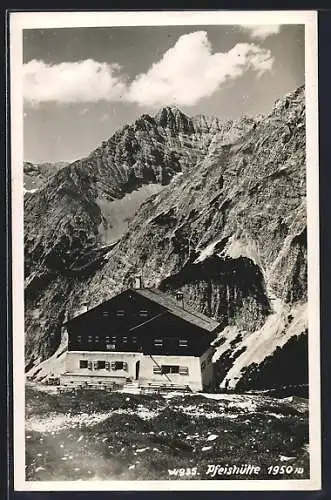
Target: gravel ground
(115, 436)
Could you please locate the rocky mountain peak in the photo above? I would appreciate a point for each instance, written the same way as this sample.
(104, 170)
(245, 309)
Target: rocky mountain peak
(173, 119)
(169, 111)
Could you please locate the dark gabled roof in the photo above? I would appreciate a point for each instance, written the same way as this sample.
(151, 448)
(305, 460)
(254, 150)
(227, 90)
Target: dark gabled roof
(167, 304)
(163, 300)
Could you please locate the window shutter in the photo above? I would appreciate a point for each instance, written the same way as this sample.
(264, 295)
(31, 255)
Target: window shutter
(89, 365)
(156, 369)
(107, 365)
(113, 365)
(125, 366)
(183, 370)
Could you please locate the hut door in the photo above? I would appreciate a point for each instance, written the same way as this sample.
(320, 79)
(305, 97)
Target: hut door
(137, 369)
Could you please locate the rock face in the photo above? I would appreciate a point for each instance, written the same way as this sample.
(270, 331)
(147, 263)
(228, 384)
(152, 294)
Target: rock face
(75, 209)
(37, 175)
(226, 224)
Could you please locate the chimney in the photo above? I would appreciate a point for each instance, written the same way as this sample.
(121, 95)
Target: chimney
(138, 281)
(180, 298)
(84, 306)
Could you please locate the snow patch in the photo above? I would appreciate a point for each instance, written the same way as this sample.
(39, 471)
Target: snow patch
(243, 405)
(55, 423)
(275, 332)
(51, 367)
(243, 247)
(117, 213)
(229, 334)
(207, 252)
(194, 411)
(25, 191)
(141, 412)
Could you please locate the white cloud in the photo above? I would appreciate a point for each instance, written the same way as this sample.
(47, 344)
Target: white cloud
(186, 73)
(69, 82)
(190, 71)
(261, 32)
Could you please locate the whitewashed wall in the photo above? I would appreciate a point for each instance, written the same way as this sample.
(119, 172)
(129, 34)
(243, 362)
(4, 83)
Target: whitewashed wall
(193, 379)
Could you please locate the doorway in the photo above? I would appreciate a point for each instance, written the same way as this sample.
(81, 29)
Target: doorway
(137, 369)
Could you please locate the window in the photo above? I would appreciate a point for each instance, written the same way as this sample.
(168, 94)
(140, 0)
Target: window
(125, 340)
(119, 365)
(79, 339)
(97, 339)
(143, 313)
(120, 313)
(170, 369)
(105, 314)
(158, 342)
(183, 343)
(182, 370)
(134, 340)
(83, 363)
(107, 340)
(89, 339)
(100, 365)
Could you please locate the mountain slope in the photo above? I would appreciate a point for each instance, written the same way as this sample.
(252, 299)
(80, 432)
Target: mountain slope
(37, 175)
(230, 232)
(74, 208)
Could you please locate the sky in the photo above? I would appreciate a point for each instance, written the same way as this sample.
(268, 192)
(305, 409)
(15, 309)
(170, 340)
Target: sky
(82, 84)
